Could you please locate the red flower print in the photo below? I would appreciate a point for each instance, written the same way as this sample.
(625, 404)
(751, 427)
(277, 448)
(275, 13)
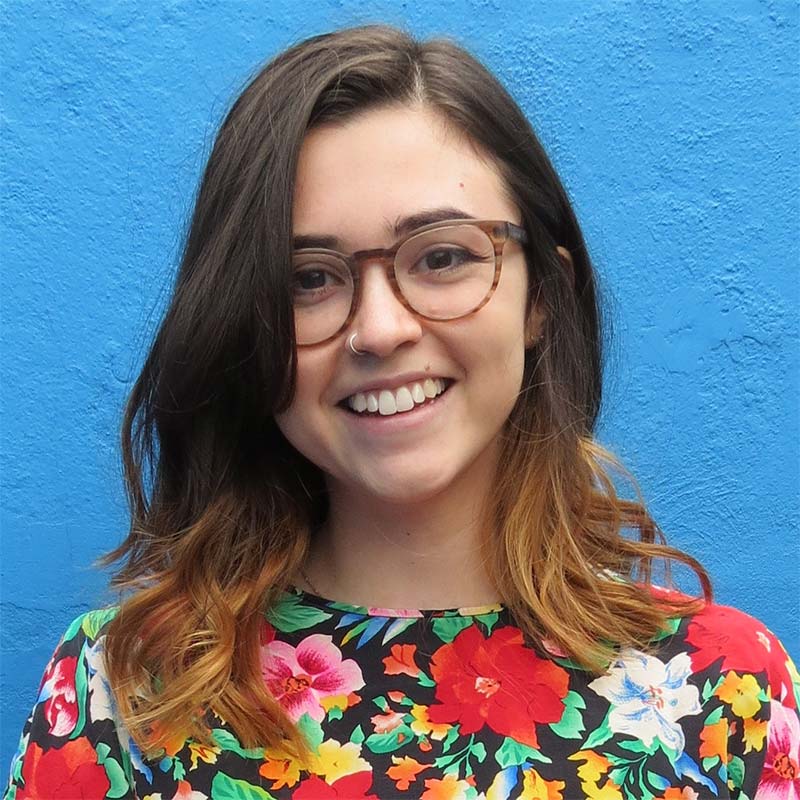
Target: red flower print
(496, 682)
(722, 631)
(299, 677)
(780, 778)
(266, 634)
(61, 705)
(350, 787)
(70, 771)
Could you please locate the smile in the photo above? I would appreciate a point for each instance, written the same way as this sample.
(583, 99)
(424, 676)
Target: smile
(397, 401)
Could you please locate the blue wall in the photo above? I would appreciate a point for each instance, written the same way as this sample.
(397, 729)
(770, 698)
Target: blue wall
(674, 126)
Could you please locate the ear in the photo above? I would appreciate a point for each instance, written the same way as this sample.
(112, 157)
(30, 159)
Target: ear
(536, 317)
(566, 262)
(533, 325)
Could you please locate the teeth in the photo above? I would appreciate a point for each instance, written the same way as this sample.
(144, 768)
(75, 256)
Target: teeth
(386, 403)
(401, 399)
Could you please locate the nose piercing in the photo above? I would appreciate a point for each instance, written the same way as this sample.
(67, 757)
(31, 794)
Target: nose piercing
(353, 349)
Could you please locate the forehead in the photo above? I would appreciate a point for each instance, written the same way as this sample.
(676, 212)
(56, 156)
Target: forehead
(357, 178)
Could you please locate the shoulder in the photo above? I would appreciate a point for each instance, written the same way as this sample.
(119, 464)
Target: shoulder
(88, 628)
(70, 745)
(722, 639)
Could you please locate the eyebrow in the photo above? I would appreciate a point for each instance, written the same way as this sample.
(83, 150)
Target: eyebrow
(402, 226)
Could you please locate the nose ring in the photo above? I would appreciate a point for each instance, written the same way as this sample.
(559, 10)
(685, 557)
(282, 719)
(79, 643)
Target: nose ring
(353, 349)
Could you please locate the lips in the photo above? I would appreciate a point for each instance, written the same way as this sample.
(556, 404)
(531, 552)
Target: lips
(387, 402)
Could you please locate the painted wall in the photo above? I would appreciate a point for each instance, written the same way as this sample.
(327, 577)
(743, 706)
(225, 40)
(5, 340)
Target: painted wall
(674, 126)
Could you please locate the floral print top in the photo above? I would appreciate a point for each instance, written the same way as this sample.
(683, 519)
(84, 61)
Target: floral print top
(445, 705)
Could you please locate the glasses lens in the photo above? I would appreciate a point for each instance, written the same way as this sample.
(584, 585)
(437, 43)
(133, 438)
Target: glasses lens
(322, 291)
(446, 272)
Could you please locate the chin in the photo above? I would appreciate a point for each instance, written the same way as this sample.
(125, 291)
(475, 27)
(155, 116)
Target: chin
(408, 488)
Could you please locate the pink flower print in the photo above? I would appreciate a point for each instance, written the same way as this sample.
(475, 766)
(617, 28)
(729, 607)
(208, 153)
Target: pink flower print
(299, 677)
(780, 778)
(61, 703)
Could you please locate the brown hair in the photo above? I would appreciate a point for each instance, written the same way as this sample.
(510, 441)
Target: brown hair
(222, 507)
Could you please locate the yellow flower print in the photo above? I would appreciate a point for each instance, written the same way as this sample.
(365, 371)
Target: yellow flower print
(754, 733)
(422, 726)
(595, 767)
(281, 767)
(534, 787)
(449, 788)
(741, 694)
(334, 760)
(609, 792)
(334, 701)
(203, 752)
(591, 773)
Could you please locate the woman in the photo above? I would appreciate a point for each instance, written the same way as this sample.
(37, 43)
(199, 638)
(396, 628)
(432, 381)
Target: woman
(375, 551)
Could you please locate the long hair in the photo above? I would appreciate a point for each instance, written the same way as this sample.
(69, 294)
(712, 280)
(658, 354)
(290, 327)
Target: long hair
(222, 507)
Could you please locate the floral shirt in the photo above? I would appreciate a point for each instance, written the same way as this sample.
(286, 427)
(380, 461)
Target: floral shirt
(444, 705)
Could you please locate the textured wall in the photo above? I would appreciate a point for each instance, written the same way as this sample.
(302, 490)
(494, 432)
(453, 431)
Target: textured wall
(674, 126)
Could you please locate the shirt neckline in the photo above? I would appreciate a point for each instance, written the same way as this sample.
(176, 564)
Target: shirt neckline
(408, 613)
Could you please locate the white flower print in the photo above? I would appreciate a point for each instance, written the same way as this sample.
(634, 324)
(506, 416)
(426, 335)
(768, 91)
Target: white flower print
(648, 696)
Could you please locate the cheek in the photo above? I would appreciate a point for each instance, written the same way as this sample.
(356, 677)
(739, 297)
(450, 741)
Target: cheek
(298, 421)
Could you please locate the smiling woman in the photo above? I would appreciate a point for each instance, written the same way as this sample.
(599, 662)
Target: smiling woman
(375, 550)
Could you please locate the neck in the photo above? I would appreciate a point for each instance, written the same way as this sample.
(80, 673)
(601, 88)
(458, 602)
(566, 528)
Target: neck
(425, 555)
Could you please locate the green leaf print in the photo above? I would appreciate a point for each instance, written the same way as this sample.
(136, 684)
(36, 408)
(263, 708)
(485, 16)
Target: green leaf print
(290, 615)
(391, 741)
(424, 680)
(312, 730)
(357, 736)
(570, 726)
(714, 717)
(127, 766)
(353, 632)
(736, 772)
(116, 777)
(452, 735)
(599, 735)
(178, 770)
(227, 741)
(709, 689)
(453, 762)
(514, 753)
(81, 692)
(223, 787)
(488, 621)
(659, 781)
(94, 621)
(638, 746)
(74, 627)
(670, 629)
(382, 703)
(447, 628)
(709, 763)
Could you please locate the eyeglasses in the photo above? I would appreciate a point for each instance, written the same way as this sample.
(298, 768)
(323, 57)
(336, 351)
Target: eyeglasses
(440, 272)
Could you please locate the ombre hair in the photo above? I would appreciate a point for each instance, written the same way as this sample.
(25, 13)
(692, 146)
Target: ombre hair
(223, 508)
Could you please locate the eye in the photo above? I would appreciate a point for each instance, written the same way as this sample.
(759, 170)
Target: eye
(317, 278)
(309, 279)
(443, 257)
(449, 262)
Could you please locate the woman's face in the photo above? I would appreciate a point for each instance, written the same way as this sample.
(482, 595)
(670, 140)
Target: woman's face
(357, 182)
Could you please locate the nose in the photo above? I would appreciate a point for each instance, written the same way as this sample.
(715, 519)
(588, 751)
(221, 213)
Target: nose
(382, 323)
